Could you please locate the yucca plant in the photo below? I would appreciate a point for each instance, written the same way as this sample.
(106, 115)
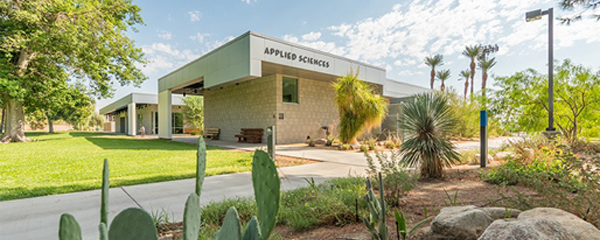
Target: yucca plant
(359, 107)
(426, 120)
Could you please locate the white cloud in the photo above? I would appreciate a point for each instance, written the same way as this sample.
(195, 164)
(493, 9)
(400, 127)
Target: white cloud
(409, 73)
(199, 37)
(311, 36)
(166, 35)
(330, 47)
(209, 46)
(163, 57)
(194, 15)
(249, 1)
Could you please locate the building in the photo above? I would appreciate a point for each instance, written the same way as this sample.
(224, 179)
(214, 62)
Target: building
(256, 81)
(128, 114)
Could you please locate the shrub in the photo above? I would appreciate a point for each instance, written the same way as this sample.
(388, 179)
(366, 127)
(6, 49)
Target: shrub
(345, 147)
(311, 143)
(364, 148)
(371, 142)
(330, 203)
(561, 179)
(396, 180)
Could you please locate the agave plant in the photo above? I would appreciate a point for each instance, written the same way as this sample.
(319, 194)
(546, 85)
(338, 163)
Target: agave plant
(426, 120)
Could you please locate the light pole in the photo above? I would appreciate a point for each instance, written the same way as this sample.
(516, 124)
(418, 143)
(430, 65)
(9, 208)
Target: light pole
(537, 15)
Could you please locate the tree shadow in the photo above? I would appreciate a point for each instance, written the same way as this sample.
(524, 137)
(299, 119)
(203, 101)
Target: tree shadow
(107, 141)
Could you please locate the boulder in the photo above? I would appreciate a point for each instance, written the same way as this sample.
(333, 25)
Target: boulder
(466, 222)
(542, 223)
(503, 156)
(321, 141)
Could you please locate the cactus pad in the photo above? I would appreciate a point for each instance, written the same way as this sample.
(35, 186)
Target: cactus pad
(231, 228)
(103, 231)
(266, 191)
(69, 228)
(191, 218)
(132, 224)
(252, 230)
(200, 166)
(104, 197)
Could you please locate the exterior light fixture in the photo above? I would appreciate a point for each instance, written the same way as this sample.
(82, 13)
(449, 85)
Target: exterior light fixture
(537, 15)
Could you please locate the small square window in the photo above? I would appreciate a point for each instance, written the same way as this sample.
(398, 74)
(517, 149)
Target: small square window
(290, 90)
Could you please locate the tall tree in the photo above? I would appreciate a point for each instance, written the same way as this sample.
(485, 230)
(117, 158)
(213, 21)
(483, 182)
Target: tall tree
(443, 75)
(85, 38)
(465, 74)
(582, 7)
(485, 65)
(472, 52)
(434, 61)
(359, 107)
(522, 101)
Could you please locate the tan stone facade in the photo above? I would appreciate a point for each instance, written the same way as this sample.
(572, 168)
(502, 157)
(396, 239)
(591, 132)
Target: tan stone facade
(315, 108)
(253, 104)
(249, 104)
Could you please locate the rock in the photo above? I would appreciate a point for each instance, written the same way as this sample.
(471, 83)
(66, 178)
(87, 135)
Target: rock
(537, 228)
(320, 141)
(503, 156)
(542, 223)
(466, 222)
(475, 160)
(500, 213)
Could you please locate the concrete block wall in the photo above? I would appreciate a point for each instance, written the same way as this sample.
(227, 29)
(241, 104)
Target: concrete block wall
(249, 104)
(315, 108)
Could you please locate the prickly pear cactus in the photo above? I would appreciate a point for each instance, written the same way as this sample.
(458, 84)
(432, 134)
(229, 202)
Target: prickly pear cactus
(104, 196)
(231, 228)
(69, 228)
(132, 224)
(266, 191)
(191, 218)
(103, 232)
(200, 166)
(252, 231)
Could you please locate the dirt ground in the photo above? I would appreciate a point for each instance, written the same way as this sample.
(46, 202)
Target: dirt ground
(430, 194)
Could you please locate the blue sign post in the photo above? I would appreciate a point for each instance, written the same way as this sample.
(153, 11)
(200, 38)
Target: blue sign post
(483, 153)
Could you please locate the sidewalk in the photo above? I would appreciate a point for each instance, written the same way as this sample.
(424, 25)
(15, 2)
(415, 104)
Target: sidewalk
(38, 218)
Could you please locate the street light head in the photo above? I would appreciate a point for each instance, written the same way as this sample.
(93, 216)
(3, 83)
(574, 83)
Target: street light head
(533, 15)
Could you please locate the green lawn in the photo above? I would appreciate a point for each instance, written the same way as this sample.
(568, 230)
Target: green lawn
(72, 161)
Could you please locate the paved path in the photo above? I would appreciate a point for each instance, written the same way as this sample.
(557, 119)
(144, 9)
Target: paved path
(37, 218)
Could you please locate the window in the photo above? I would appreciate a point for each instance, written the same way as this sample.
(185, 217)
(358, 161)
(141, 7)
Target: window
(177, 121)
(290, 90)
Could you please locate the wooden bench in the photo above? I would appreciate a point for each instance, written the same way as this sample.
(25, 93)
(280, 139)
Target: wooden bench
(250, 135)
(212, 133)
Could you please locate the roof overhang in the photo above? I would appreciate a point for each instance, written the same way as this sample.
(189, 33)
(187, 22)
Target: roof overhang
(137, 98)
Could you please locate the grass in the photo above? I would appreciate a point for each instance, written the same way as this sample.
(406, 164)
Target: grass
(72, 161)
(329, 203)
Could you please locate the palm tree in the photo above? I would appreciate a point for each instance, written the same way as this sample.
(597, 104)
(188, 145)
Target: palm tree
(485, 65)
(427, 119)
(443, 75)
(465, 74)
(359, 107)
(472, 52)
(433, 61)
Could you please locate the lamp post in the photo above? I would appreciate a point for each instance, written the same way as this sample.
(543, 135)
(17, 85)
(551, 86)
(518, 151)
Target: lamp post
(537, 15)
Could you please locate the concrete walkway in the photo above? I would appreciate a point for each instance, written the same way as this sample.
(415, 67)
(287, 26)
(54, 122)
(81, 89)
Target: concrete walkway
(38, 218)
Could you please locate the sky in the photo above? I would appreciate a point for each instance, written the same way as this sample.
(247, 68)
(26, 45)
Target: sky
(395, 35)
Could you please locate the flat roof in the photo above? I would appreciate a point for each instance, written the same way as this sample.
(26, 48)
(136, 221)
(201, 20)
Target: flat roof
(137, 98)
(243, 59)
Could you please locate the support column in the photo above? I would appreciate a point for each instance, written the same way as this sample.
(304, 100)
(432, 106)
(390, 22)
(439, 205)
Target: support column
(131, 118)
(165, 127)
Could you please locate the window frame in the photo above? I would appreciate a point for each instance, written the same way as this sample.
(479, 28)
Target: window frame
(297, 90)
